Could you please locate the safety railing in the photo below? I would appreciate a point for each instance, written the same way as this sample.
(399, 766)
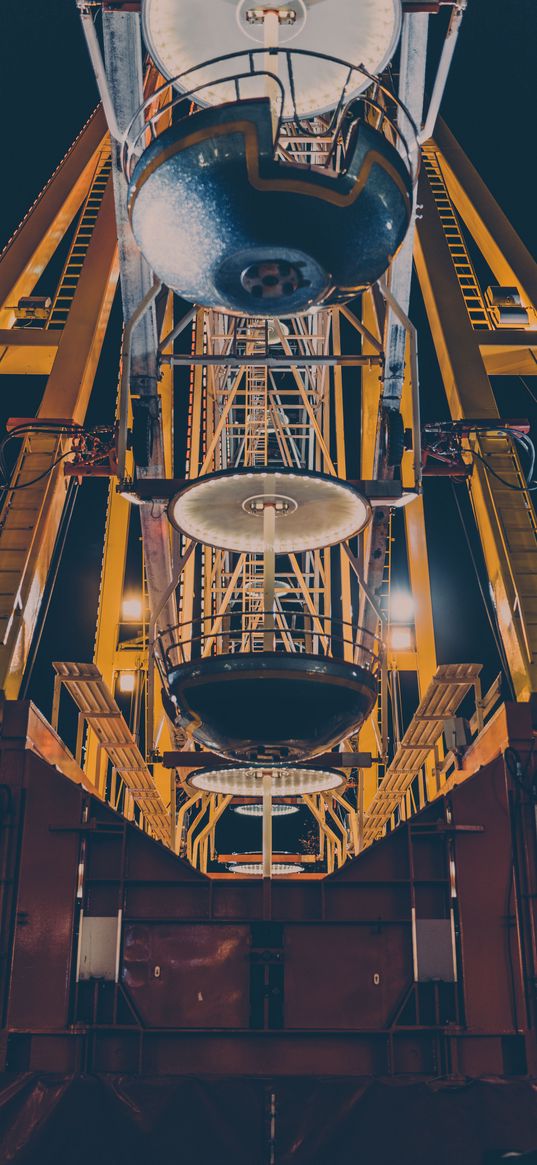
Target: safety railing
(281, 631)
(379, 106)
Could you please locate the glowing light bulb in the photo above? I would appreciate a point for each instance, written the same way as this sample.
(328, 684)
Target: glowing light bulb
(131, 609)
(127, 681)
(401, 638)
(402, 607)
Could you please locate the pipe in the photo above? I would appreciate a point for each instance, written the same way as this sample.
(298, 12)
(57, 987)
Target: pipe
(267, 824)
(152, 630)
(443, 70)
(414, 378)
(124, 382)
(209, 359)
(96, 58)
(176, 331)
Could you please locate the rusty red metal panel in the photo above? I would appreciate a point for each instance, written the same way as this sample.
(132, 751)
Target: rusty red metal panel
(488, 909)
(188, 975)
(346, 976)
(43, 942)
(53, 1121)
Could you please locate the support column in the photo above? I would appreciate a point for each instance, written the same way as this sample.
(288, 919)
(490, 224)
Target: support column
(267, 824)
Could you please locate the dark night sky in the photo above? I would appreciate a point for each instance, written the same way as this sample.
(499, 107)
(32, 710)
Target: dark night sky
(48, 92)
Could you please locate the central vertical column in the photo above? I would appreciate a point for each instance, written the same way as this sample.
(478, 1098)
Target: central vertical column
(267, 824)
(271, 38)
(269, 562)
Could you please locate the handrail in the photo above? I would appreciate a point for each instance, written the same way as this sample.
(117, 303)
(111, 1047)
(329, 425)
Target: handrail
(134, 133)
(186, 641)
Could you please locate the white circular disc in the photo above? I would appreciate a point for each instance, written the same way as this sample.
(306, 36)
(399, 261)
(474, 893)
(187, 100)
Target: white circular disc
(247, 781)
(255, 809)
(181, 34)
(255, 869)
(321, 511)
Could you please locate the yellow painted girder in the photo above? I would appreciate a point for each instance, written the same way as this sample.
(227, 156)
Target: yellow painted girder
(31, 518)
(28, 351)
(505, 518)
(34, 243)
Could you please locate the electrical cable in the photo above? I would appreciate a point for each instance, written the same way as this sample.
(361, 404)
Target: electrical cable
(21, 431)
(519, 489)
(7, 489)
(528, 389)
(486, 601)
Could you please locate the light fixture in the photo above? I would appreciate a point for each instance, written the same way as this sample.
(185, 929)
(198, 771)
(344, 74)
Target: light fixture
(127, 492)
(402, 607)
(226, 509)
(279, 809)
(255, 869)
(132, 609)
(273, 334)
(181, 35)
(127, 681)
(401, 638)
(247, 780)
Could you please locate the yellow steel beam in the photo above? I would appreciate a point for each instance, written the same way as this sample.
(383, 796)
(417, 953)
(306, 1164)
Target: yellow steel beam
(506, 519)
(341, 463)
(506, 352)
(352, 817)
(342, 847)
(181, 817)
(371, 390)
(505, 253)
(28, 351)
(205, 800)
(110, 598)
(418, 560)
(216, 809)
(31, 518)
(332, 840)
(34, 243)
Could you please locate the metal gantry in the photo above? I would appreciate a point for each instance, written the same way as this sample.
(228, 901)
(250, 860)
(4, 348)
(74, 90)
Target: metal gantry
(307, 392)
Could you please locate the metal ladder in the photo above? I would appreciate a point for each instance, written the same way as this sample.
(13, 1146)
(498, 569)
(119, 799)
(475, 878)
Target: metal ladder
(464, 269)
(65, 292)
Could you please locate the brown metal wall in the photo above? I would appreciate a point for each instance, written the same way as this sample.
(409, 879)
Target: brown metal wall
(126, 1121)
(216, 982)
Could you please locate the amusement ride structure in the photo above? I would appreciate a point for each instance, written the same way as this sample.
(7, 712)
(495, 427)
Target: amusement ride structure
(264, 181)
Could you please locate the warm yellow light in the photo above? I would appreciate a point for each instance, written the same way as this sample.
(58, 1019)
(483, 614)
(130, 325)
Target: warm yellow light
(401, 638)
(401, 607)
(127, 681)
(131, 609)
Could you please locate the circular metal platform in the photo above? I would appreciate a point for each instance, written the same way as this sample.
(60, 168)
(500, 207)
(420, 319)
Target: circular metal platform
(255, 869)
(255, 809)
(181, 34)
(247, 781)
(225, 510)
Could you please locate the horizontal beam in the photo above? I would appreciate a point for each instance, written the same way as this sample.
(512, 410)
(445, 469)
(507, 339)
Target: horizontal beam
(28, 351)
(275, 362)
(152, 489)
(303, 859)
(509, 352)
(204, 760)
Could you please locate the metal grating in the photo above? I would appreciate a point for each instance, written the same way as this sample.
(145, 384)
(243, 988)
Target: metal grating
(443, 697)
(85, 684)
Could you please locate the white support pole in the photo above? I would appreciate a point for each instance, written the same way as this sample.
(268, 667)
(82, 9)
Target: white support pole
(267, 824)
(269, 560)
(271, 31)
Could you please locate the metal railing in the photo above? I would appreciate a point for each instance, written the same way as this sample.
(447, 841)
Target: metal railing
(281, 631)
(379, 106)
